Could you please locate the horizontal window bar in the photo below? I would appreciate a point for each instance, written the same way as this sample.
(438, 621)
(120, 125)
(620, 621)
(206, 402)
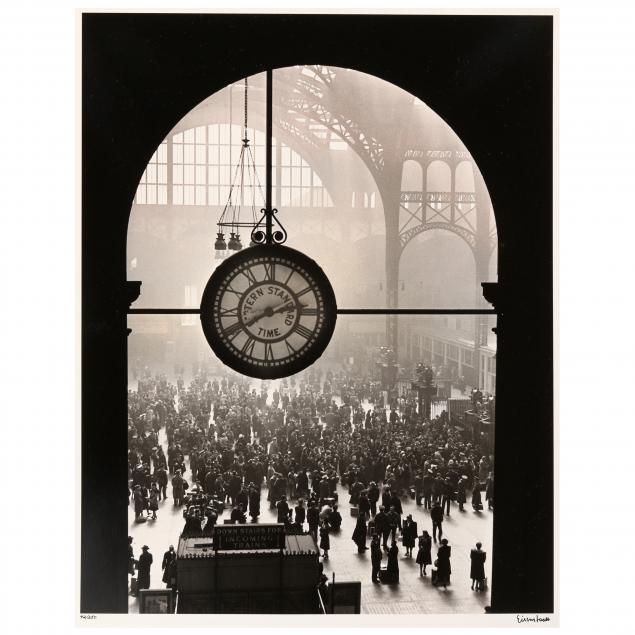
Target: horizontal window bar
(339, 311)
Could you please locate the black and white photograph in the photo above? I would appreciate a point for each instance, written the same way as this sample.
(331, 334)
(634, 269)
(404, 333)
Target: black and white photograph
(317, 315)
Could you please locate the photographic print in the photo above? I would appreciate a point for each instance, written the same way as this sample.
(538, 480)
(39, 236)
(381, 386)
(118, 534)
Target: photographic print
(317, 316)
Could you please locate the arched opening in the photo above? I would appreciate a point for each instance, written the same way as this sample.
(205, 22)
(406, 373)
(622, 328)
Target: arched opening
(330, 161)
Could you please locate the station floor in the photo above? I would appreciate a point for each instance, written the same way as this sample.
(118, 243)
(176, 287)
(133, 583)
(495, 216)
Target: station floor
(413, 595)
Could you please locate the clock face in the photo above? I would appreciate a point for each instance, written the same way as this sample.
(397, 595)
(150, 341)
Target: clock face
(268, 311)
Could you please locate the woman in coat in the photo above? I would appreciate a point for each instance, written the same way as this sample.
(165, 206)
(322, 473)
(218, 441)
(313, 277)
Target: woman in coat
(143, 576)
(325, 542)
(424, 555)
(409, 533)
(443, 564)
(359, 534)
(153, 502)
(139, 503)
(477, 566)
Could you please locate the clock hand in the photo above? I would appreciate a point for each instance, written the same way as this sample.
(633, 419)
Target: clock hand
(269, 312)
(288, 307)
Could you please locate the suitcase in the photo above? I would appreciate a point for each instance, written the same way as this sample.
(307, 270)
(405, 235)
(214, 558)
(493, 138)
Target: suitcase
(434, 577)
(354, 511)
(481, 585)
(133, 586)
(387, 578)
(371, 528)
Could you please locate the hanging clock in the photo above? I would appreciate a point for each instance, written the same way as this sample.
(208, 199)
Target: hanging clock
(268, 311)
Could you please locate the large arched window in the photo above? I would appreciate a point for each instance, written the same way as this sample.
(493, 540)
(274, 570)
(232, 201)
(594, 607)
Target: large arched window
(392, 208)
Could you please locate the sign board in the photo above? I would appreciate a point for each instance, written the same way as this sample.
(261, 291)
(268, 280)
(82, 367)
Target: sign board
(246, 537)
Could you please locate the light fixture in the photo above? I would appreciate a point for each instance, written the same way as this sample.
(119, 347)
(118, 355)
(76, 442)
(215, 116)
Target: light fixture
(243, 190)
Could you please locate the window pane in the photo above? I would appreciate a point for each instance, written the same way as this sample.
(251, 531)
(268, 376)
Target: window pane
(177, 151)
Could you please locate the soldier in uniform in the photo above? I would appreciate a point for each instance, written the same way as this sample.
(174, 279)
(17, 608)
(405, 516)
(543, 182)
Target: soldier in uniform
(375, 557)
(436, 514)
(382, 526)
(428, 480)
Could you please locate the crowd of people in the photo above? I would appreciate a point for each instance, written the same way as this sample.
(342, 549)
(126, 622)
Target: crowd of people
(227, 441)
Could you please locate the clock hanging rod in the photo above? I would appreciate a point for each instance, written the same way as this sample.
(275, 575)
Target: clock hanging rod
(268, 236)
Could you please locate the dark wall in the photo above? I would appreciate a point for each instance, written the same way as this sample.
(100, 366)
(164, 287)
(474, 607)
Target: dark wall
(489, 77)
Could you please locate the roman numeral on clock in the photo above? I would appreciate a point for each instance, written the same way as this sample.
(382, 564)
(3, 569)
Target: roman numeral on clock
(299, 294)
(229, 312)
(233, 330)
(237, 293)
(309, 311)
(269, 356)
(290, 348)
(248, 346)
(249, 274)
(270, 271)
(303, 331)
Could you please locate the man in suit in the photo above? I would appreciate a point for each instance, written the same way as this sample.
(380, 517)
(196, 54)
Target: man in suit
(448, 490)
(410, 534)
(382, 526)
(161, 477)
(178, 488)
(418, 485)
(428, 480)
(167, 557)
(283, 510)
(373, 497)
(436, 514)
(375, 557)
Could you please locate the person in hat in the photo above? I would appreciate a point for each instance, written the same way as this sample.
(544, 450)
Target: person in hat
(461, 498)
(373, 496)
(446, 496)
(145, 562)
(167, 556)
(489, 491)
(443, 564)
(375, 557)
(382, 526)
(153, 501)
(283, 509)
(424, 553)
(178, 488)
(300, 513)
(393, 563)
(324, 488)
(428, 480)
(313, 518)
(477, 567)
(254, 502)
(363, 504)
(161, 478)
(436, 514)
(409, 535)
(325, 542)
(140, 503)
